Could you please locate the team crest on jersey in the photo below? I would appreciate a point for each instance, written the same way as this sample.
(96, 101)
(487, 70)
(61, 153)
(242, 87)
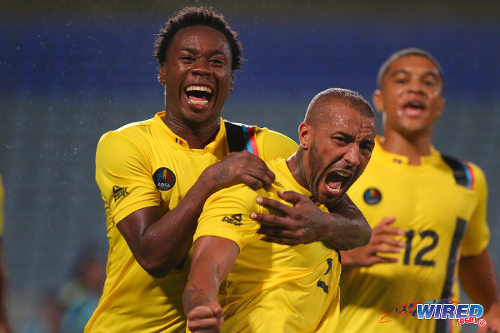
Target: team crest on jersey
(119, 192)
(372, 196)
(233, 219)
(164, 179)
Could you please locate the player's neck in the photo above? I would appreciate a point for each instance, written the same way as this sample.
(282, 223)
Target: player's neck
(296, 167)
(413, 147)
(196, 135)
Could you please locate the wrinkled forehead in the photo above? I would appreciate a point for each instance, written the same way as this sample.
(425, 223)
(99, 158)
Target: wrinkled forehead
(342, 116)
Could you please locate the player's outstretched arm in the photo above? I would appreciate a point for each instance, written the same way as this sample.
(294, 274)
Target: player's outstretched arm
(344, 228)
(213, 258)
(479, 280)
(382, 241)
(159, 243)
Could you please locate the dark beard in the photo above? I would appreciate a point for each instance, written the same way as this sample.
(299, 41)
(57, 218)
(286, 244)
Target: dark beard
(314, 161)
(300, 168)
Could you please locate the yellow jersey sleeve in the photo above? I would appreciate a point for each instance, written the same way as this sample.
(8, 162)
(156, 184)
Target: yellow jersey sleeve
(273, 145)
(123, 175)
(477, 235)
(226, 214)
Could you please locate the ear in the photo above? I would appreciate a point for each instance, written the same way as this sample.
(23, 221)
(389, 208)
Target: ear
(162, 74)
(305, 135)
(378, 101)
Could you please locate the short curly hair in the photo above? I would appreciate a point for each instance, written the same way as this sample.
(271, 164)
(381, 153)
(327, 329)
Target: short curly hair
(191, 16)
(411, 51)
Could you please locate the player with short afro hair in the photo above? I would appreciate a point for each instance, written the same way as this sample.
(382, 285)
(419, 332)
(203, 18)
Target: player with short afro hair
(191, 16)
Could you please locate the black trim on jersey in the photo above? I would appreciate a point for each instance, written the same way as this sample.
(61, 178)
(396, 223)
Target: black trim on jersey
(236, 138)
(442, 324)
(458, 170)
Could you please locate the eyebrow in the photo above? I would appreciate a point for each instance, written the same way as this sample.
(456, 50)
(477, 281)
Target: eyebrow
(434, 75)
(404, 71)
(347, 135)
(351, 137)
(369, 141)
(212, 52)
(400, 71)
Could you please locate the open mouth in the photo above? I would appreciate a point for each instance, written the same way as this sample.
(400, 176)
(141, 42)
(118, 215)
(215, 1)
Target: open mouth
(335, 181)
(414, 107)
(199, 95)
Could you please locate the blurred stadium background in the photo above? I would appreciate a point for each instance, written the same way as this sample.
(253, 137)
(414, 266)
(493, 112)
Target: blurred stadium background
(71, 70)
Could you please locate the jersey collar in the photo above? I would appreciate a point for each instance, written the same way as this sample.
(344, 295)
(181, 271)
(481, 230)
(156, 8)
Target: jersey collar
(181, 143)
(432, 159)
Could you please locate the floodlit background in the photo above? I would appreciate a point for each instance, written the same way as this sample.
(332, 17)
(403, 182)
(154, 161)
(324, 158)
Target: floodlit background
(71, 70)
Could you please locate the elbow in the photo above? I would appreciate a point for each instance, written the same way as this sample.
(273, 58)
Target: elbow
(364, 231)
(160, 263)
(355, 237)
(155, 268)
(365, 234)
(157, 272)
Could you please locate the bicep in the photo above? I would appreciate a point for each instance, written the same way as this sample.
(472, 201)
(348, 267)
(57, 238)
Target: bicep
(134, 225)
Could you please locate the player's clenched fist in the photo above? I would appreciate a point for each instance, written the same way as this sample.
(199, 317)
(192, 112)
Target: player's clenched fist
(205, 318)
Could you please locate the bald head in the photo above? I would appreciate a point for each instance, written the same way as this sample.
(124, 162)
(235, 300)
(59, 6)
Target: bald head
(336, 137)
(319, 108)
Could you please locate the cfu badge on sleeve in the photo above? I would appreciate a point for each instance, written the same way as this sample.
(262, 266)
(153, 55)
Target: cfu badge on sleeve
(164, 179)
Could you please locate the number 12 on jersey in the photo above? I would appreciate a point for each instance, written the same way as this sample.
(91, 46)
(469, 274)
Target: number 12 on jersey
(419, 257)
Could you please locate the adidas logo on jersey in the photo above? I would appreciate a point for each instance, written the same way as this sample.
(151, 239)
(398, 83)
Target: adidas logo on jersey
(233, 219)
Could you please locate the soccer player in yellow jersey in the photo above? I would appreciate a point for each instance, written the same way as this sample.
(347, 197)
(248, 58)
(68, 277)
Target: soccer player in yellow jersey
(155, 176)
(270, 287)
(4, 321)
(427, 211)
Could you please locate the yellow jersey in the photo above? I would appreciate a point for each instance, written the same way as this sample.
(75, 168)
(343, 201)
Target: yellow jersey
(441, 206)
(271, 287)
(141, 165)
